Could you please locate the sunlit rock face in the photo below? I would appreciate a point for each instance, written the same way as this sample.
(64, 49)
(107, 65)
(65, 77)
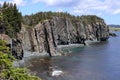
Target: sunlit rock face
(48, 35)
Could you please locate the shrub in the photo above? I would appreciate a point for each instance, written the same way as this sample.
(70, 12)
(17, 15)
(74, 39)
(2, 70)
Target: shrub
(7, 71)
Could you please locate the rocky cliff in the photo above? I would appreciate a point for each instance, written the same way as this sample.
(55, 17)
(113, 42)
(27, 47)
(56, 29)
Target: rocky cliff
(46, 36)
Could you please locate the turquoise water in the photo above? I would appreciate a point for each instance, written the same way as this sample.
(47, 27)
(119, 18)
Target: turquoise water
(100, 61)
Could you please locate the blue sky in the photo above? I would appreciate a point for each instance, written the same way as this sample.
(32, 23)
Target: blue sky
(109, 10)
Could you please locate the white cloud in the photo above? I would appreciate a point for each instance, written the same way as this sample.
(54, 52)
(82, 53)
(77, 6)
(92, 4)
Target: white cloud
(86, 6)
(1, 2)
(17, 2)
(98, 6)
(59, 10)
(116, 11)
(57, 2)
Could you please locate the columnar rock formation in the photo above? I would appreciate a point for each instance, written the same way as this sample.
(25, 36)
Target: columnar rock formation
(46, 36)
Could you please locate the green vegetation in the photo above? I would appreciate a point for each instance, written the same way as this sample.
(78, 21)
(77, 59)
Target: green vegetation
(10, 19)
(89, 19)
(114, 29)
(7, 71)
(34, 19)
(10, 24)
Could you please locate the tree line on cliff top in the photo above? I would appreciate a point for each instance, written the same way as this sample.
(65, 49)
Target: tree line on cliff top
(33, 19)
(11, 18)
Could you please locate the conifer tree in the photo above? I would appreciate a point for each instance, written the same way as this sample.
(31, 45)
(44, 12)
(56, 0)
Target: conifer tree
(12, 17)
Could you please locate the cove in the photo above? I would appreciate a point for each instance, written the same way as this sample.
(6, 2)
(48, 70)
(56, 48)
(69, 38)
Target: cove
(100, 61)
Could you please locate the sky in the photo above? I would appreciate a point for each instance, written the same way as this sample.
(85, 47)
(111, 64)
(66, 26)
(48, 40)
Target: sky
(109, 10)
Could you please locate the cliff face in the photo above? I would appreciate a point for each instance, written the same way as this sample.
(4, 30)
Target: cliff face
(46, 36)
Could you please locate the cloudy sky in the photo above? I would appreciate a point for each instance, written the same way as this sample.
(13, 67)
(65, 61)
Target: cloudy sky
(107, 9)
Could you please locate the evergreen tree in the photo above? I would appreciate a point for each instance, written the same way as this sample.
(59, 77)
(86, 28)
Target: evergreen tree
(7, 71)
(12, 17)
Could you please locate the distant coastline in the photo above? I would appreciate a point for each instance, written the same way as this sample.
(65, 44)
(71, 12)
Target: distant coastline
(114, 27)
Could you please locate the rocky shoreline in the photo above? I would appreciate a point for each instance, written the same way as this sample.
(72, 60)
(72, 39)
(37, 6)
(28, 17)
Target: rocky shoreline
(29, 55)
(48, 37)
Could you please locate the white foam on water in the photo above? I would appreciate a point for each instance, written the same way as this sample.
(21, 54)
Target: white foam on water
(56, 72)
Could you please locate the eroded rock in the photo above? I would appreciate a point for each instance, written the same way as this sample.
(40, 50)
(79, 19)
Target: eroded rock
(46, 36)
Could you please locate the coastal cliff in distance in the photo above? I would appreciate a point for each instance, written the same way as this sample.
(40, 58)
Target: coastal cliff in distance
(48, 34)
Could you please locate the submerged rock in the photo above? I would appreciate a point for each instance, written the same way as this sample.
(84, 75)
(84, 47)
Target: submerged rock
(112, 34)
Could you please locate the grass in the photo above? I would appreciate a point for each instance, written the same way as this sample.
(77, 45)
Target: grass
(114, 29)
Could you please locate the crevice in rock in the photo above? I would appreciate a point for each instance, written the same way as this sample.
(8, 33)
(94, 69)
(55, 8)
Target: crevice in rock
(53, 37)
(68, 32)
(37, 38)
(31, 40)
(47, 46)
